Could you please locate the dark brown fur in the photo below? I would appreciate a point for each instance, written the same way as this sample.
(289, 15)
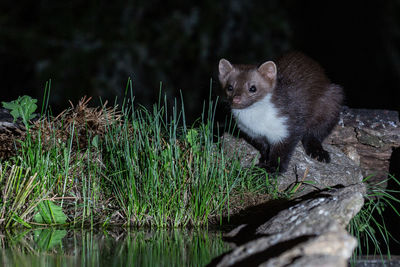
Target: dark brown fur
(303, 94)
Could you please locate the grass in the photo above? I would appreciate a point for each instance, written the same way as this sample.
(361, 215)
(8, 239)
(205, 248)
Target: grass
(103, 166)
(369, 226)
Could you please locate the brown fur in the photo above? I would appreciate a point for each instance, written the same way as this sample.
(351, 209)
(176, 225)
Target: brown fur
(302, 94)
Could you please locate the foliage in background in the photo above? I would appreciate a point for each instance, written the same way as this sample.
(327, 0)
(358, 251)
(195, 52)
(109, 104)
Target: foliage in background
(104, 44)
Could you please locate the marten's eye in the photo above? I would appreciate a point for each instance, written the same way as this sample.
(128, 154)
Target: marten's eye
(229, 88)
(252, 88)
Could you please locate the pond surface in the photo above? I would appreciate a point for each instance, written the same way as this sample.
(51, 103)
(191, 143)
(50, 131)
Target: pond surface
(52, 247)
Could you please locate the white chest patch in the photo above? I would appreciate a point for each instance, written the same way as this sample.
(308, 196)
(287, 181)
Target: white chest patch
(261, 120)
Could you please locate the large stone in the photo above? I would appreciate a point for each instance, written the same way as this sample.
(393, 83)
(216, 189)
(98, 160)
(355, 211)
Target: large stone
(369, 137)
(310, 233)
(313, 175)
(331, 248)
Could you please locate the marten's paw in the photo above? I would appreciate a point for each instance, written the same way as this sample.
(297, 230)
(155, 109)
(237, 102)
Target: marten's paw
(319, 154)
(315, 150)
(271, 168)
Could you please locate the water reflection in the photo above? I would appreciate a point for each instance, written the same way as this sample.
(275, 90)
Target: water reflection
(51, 247)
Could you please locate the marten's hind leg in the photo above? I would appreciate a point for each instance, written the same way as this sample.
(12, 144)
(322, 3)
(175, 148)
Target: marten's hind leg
(312, 139)
(323, 122)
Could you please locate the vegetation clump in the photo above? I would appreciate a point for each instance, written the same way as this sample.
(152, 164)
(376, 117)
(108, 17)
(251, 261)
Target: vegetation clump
(103, 166)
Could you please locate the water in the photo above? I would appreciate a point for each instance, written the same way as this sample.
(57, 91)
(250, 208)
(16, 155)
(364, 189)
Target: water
(53, 247)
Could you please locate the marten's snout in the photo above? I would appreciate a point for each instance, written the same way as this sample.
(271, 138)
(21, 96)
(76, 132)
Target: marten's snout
(236, 100)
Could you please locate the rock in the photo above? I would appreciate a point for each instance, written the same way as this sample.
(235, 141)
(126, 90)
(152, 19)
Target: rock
(310, 216)
(331, 248)
(313, 174)
(340, 171)
(9, 132)
(309, 233)
(7, 121)
(369, 137)
(239, 147)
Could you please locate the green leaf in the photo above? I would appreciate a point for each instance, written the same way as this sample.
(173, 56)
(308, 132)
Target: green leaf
(95, 141)
(15, 113)
(23, 107)
(9, 105)
(49, 213)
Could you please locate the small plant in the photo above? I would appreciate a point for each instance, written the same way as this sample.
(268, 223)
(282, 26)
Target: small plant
(23, 108)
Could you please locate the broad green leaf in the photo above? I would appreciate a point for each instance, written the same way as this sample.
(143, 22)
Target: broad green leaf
(15, 113)
(23, 107)
(49, 213)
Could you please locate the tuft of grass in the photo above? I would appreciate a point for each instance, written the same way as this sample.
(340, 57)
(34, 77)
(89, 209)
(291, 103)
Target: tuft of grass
(21, 192)
(368, 226)
(165, 173)
(133, 167)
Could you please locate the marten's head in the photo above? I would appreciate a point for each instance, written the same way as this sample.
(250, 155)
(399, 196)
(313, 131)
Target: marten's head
(246, 84)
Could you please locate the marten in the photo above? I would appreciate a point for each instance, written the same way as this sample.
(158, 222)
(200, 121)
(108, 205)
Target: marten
(279, 104)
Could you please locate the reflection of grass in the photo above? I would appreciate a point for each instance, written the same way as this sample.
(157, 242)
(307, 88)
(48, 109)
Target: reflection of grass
(85, 248)
(134, 167)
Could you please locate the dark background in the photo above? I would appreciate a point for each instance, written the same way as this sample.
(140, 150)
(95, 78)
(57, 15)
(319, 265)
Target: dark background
(92, 47)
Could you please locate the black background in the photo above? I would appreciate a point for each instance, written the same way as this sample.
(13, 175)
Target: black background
(92, 48)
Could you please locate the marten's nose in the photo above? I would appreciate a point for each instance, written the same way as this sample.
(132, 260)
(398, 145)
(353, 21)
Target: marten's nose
(236, 99)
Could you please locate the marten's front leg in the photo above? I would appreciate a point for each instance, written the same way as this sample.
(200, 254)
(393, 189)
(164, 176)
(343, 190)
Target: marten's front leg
(279, 155)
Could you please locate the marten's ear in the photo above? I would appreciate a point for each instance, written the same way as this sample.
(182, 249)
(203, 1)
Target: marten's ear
(268, 70)
(224, 68)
